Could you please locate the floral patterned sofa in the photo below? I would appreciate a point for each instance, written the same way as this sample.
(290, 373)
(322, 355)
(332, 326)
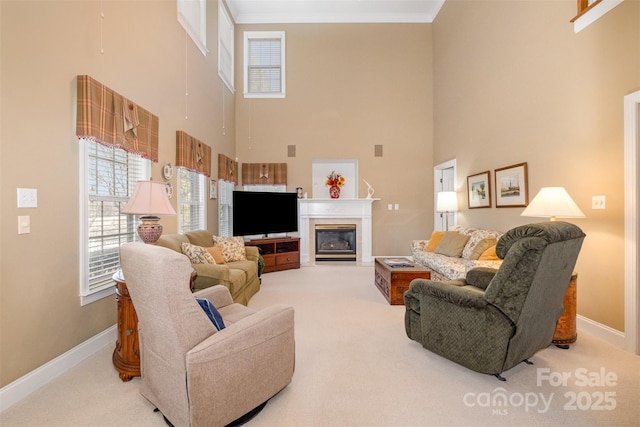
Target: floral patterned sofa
(449, 255)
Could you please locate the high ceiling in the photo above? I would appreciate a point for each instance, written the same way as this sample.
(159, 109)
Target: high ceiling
(327, 11)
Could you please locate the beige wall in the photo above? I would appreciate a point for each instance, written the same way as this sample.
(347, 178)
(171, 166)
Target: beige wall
(349, 88)
(44, 45)
(514, 83)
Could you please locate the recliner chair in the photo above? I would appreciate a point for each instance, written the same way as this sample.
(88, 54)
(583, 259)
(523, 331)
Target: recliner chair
(491, 320)
(193, 373)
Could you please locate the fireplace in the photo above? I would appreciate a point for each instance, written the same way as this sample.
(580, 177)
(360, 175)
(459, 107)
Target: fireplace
(335, 242)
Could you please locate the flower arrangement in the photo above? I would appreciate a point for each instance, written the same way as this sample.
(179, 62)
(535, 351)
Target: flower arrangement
(335, 180)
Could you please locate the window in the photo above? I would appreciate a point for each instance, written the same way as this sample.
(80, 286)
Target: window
(225, 201)
(192, 206)
(264, 64)
(108, 178)
(225, 46)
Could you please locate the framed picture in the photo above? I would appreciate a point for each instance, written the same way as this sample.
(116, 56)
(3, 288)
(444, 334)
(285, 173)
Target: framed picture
(213, 189)
(512, 186)
(479, 190)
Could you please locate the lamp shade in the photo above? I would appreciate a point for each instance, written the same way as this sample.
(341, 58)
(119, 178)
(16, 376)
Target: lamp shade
(149, 198)
(447, 201)
(553, 202)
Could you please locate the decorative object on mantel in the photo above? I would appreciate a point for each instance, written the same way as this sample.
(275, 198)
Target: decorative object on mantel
(299, 192)
(335, 181)
(370, 189)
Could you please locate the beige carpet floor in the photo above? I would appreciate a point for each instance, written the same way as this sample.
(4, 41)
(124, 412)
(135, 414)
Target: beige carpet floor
(356, 367)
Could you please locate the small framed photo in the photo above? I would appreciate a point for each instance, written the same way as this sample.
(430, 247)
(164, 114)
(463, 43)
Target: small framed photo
(213, 189)
(512, 186)
(479, 190)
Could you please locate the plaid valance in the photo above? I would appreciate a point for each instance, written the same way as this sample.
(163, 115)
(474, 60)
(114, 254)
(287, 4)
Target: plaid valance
(264, 173)
(227, 169)
(109, 118)
(192, 154)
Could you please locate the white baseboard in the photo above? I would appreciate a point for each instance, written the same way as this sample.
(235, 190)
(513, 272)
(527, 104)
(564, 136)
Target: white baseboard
(27, 384)
(604, 332)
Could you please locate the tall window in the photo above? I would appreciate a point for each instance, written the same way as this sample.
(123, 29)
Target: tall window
(264, 64)
(109, 176)
(226, 34)
(225, 203)
(192, 206)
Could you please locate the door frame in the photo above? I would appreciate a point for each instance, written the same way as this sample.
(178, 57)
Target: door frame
(437, 186)
(631, 201)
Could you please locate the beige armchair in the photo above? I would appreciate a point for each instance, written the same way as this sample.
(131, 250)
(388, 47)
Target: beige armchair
(193, 373)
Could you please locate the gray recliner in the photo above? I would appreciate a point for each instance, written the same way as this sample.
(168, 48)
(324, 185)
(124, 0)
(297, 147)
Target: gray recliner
(491, 320)
(193, 373)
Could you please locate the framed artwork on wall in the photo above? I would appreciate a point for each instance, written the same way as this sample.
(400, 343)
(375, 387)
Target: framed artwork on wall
(512, 186)
(479, 190)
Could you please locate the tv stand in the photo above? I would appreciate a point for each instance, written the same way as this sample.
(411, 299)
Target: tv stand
(280, 253)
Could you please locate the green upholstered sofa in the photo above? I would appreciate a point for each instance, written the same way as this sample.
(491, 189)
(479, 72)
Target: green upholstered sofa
(491, 320)
(240, 277)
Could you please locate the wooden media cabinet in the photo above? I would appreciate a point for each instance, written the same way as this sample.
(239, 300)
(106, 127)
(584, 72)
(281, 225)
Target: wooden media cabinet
(279, 253)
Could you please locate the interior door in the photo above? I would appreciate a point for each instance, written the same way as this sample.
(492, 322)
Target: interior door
(444, 180)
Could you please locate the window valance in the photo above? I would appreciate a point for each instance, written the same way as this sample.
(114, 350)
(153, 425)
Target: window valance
(192, 154)
(227, 169)
(264, 173)
(109, 118)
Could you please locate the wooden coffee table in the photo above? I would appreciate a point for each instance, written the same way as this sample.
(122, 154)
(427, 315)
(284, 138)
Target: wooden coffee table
(393, 282)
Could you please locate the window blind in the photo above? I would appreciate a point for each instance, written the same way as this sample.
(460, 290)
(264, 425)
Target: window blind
(225, 202)
(192, 206)
(264, 60)
(111, 176)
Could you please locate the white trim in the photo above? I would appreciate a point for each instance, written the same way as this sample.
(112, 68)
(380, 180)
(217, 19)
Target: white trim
(437, 175)
(594, 14)
(27, 384)
(604, 332)
(192, 15)
(631, 183)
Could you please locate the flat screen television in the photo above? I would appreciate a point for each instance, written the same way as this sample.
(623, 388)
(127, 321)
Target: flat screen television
(261, 213)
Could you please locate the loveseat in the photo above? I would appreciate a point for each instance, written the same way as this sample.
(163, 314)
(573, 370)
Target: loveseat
(239, 275)
(450, 255)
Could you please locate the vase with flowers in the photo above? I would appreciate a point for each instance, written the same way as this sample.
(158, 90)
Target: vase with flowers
(335, 182)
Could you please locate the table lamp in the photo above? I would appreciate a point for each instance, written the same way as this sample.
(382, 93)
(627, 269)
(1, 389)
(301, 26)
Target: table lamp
(447, 201)
(553, 202)
(149, 200)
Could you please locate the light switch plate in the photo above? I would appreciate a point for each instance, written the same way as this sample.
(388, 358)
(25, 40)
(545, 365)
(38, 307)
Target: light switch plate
(598, 202)
(27, 198)
(24, 224)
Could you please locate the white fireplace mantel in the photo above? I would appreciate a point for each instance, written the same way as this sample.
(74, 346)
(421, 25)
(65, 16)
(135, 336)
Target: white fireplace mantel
(333, 209)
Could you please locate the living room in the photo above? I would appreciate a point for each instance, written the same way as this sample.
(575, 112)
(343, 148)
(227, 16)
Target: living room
(489, 84)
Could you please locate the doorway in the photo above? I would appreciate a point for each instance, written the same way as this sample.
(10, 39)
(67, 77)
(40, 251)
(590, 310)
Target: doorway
(444, 179)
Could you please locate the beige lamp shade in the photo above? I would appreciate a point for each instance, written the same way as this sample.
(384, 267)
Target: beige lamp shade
(149, 200)
(553, 202)
(447, 201)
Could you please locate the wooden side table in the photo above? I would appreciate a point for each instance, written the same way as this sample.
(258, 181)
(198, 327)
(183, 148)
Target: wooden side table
(566, 330)
(126, 355)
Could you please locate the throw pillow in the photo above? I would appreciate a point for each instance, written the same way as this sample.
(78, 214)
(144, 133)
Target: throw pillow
(489, 254)
(232, 248)
(482, 246)
(197, 254)
(212, 313)
(452, 244)
(436, 236)
(216, 253)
